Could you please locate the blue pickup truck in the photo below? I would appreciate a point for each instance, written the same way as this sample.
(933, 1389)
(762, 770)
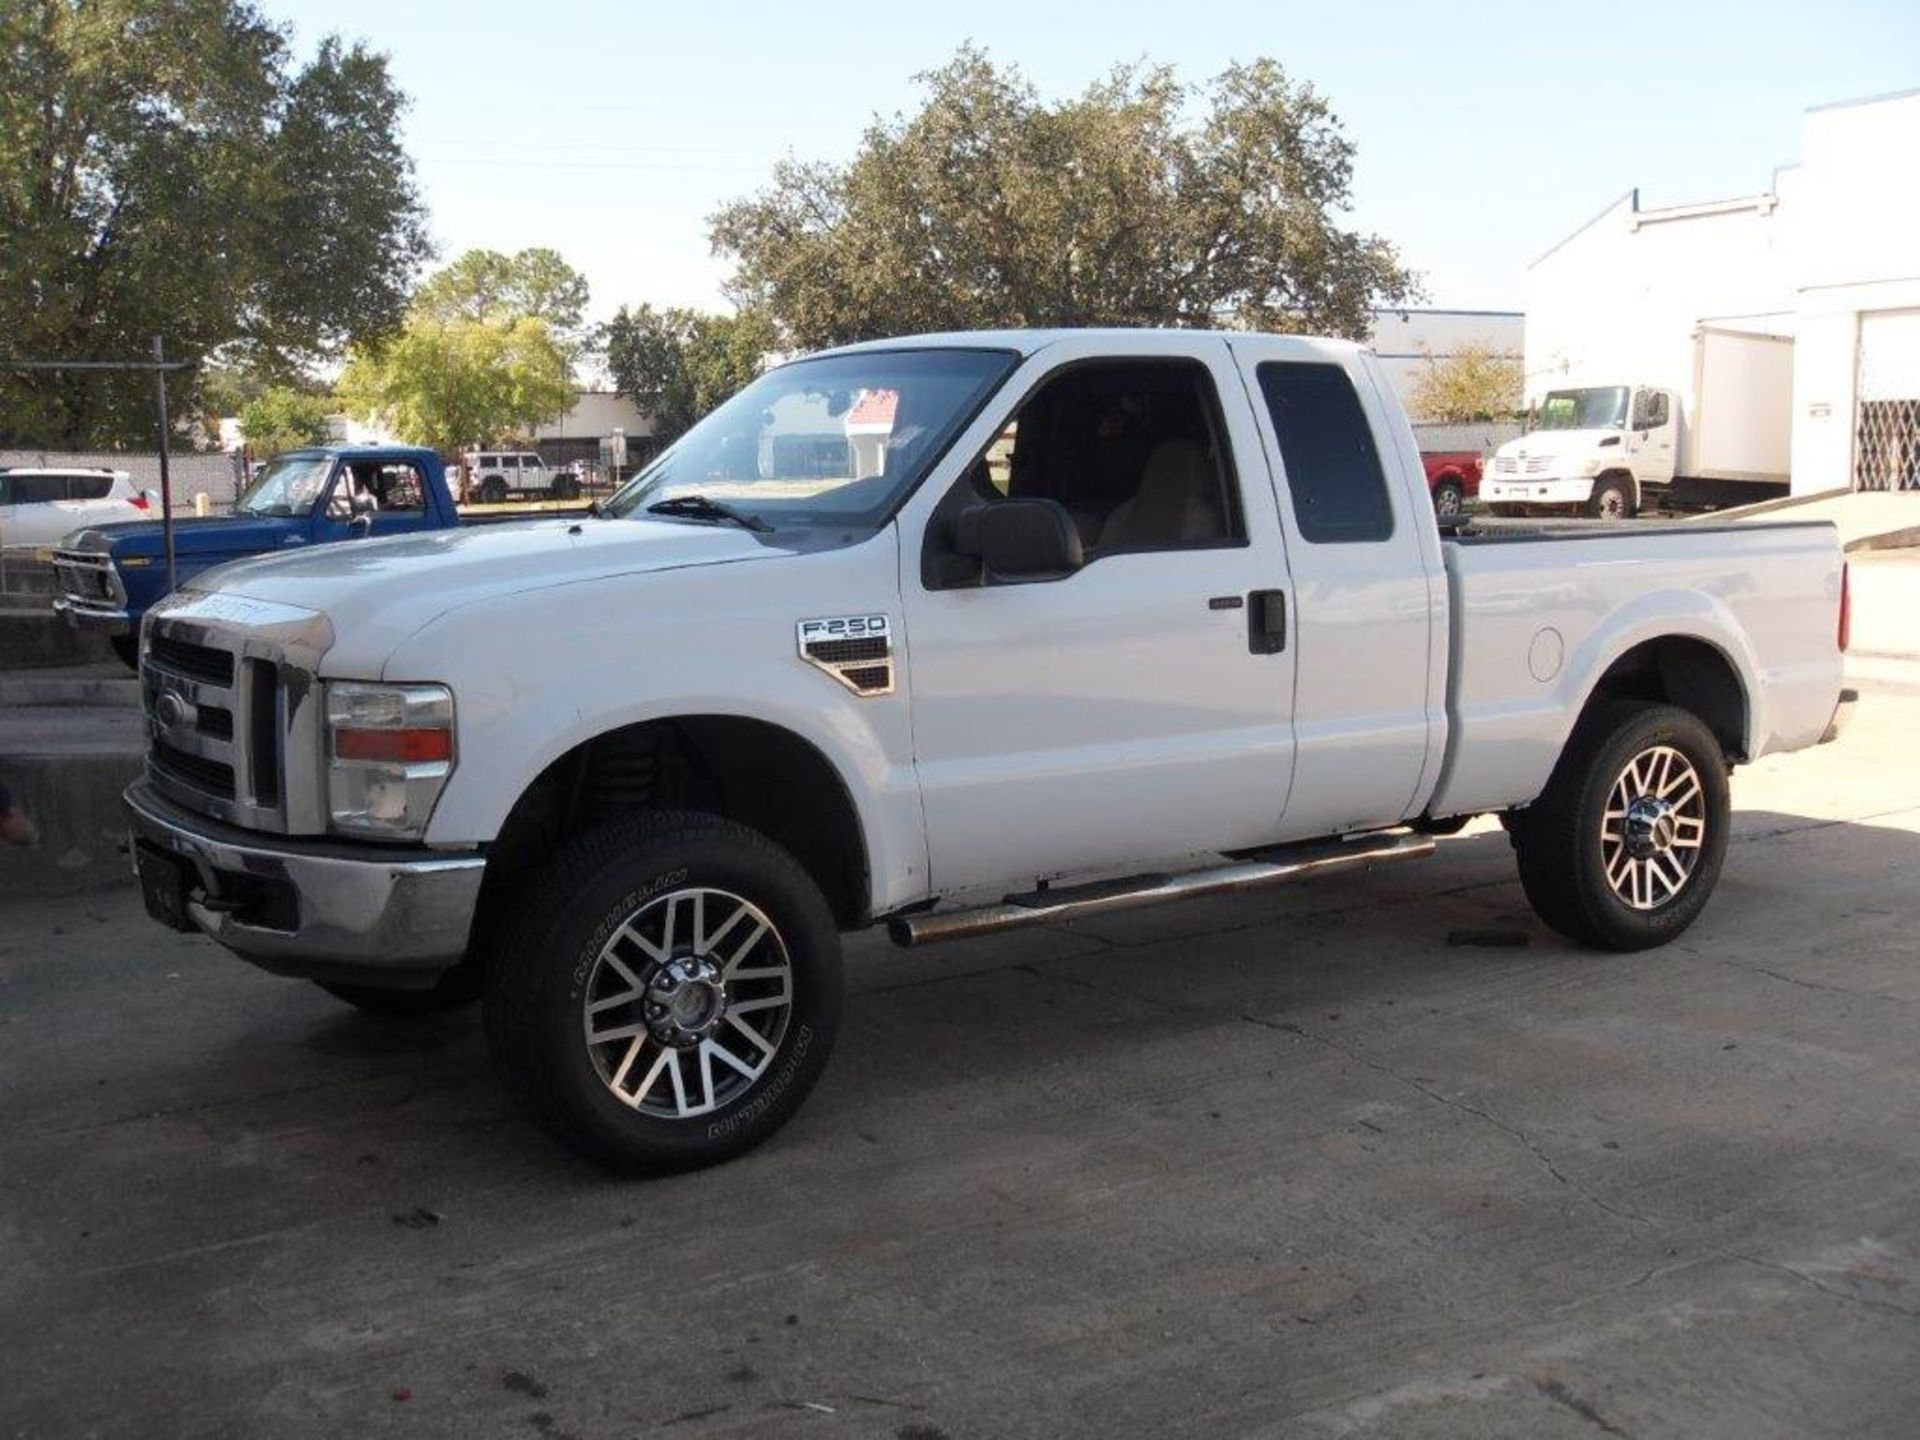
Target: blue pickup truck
(109, 574)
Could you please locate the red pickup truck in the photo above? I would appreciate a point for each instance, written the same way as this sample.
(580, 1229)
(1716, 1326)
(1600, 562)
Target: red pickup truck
(1453, 478)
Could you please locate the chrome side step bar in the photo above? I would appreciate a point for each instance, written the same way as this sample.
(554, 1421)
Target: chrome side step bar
(1261, 868)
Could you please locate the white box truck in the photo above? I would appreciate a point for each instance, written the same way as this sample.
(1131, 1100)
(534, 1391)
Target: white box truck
(1721, 433)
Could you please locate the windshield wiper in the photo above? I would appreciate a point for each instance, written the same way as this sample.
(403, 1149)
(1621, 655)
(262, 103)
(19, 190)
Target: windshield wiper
(704, 507)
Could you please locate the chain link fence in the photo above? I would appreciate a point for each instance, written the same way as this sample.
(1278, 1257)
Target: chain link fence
(1886, 445)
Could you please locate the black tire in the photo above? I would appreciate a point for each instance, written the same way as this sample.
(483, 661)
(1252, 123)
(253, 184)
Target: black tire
(1448, 499)
(493, 490)
(566, 488)
(127, 648)
(459, 986)
(548, 959)
(1564, 855)
(1612, 499)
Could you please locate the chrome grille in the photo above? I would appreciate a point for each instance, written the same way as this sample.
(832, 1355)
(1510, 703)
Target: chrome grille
(233, 711)
(1505, 465)
(87, 581)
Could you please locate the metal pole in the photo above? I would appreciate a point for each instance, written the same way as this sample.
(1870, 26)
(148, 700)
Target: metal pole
(166, 477)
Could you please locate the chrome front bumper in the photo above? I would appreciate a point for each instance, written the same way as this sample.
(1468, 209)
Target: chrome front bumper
(316, 908)
(83, 616)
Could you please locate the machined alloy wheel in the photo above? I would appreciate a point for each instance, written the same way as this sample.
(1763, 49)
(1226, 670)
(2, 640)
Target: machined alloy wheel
(1448, 499)
(688, 1002)
(1624, 846)
(665, 991)
(1654, 828)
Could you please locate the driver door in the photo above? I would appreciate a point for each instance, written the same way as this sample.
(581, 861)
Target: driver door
(1124, 713)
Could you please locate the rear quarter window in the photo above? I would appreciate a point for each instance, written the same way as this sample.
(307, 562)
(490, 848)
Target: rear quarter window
(90, 487)
(1334, 476)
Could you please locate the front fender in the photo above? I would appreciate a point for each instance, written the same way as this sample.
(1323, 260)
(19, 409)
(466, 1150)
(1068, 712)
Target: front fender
(537, 674)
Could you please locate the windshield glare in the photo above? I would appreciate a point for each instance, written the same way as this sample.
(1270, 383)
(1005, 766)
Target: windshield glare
(1600, 408)
(287, 486)
(834, 441)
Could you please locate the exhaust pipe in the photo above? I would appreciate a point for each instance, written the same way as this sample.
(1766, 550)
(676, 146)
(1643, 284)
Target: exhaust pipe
(1274, 866)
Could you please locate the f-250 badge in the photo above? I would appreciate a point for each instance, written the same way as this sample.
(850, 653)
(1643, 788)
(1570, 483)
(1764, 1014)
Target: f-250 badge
(856, 650)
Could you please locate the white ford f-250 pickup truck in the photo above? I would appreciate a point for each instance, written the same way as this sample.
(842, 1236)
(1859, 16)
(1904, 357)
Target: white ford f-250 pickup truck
(954, 633)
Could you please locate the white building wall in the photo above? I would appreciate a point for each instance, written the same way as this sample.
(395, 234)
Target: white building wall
(1619, 301)
(1835, 238)
(1860, 255)
(595, 415)
(1405, 339)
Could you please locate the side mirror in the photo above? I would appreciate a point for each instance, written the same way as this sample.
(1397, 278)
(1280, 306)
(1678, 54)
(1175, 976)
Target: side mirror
(1019, 539)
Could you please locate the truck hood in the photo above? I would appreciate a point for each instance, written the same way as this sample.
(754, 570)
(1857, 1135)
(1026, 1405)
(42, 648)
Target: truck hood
(378, 592)
(206, 540)
(1555, 443)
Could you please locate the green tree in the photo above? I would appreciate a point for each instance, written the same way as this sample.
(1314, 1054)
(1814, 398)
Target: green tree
(991, 207)
(1474, 383)
(282, 418)
(165, 168)
(455, 382)
(487, 285)
(678, 364)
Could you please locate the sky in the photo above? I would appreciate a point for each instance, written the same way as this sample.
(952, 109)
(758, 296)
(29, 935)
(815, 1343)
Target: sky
(1485, 133)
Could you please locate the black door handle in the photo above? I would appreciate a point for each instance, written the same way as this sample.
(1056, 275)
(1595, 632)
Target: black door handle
(1267, 622)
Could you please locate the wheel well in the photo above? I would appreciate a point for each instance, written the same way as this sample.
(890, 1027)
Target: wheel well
(747, 770)
(1689, 673)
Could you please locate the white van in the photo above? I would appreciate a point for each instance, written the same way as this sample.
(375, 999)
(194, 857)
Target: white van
(494, 475)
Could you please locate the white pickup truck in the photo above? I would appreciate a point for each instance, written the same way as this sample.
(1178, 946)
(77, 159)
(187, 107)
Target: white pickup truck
(952, 633)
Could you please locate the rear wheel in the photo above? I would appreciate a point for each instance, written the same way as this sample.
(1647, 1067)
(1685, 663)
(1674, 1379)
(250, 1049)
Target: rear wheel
(1612, 499)
(493, 490)
(1448, 498)
(1623, 848)
(667, 994)
(566, 488)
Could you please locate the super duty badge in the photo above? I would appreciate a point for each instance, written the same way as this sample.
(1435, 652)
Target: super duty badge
(856, 650)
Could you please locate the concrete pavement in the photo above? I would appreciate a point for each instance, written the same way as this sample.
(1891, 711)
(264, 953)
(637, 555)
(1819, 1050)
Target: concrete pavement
(1281, 1165)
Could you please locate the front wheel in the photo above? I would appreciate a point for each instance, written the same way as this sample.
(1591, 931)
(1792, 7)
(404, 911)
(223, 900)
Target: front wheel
(1623, 848)
(1448, 499)
(667, 994)
(1612, 499)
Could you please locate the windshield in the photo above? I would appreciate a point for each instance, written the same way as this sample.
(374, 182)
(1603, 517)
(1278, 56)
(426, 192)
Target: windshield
(834, 441)
(1602, 408)
(287, 486)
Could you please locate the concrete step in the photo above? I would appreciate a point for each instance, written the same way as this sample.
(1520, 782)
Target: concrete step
(110, 684)
(33, 637)
(66, 766)
(26, 571)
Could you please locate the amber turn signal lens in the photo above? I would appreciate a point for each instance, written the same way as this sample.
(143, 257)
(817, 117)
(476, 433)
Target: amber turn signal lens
(400, 747)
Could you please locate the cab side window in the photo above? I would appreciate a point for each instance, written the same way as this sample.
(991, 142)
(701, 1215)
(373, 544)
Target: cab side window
(1134, 450)
(1334, 475)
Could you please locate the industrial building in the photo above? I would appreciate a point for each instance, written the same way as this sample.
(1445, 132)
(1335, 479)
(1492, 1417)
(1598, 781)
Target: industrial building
(1826, 259)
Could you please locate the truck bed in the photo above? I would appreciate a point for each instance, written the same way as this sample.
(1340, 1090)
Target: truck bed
(1540, 611)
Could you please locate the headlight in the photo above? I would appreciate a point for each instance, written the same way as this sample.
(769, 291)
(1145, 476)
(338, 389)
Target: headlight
(389, 753)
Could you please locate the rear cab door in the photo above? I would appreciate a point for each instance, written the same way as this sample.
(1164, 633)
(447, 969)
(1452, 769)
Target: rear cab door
(1370, 627)
(1129, 711)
